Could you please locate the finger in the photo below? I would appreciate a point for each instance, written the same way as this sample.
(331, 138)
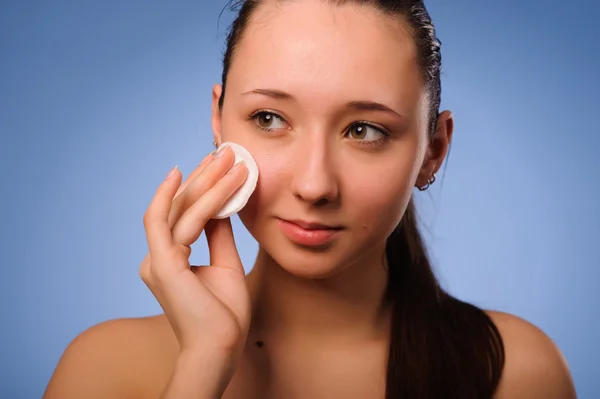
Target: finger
(195, 173)
(158, 233)
(221, 244)
(210, 174)
(190, 225)
(144, 269)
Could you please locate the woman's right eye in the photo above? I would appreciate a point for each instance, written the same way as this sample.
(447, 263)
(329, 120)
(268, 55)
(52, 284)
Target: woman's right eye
(268, 120)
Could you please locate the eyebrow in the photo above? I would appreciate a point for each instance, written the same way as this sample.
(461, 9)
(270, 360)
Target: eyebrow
(357, 105)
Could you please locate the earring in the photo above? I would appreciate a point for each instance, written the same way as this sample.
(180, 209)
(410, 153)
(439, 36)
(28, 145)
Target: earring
(215, 144)
(430, 181)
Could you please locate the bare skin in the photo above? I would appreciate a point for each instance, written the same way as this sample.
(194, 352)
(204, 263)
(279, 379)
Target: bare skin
(134, 358)
(306, 322)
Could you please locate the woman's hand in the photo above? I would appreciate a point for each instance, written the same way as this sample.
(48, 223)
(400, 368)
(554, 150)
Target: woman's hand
(208, 307)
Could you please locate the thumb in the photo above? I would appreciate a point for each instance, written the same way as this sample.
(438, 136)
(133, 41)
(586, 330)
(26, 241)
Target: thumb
(221, 245)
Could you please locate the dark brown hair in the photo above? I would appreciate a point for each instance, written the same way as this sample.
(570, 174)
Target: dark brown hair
(440, 346)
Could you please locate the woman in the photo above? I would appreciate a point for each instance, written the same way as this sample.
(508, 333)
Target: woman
(338, 102)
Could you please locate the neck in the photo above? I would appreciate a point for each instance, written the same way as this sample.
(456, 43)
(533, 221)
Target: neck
(344, 308)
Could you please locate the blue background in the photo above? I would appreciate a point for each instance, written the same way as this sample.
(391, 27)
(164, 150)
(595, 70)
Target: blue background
(98, 100)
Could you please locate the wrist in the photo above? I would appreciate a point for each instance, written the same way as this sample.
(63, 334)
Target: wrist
(203, 374)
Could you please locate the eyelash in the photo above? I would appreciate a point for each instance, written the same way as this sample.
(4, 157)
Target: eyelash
(385, 134)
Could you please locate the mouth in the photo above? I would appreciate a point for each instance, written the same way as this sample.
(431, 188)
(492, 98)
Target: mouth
(309, 233)
(313, 225)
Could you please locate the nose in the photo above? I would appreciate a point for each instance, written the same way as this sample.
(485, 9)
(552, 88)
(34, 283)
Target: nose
(314, 175)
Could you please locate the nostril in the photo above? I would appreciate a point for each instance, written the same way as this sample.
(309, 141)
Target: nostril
(322, 202)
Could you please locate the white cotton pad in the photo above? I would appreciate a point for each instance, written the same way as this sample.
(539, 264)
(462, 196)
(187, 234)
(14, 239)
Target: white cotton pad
(240, 198)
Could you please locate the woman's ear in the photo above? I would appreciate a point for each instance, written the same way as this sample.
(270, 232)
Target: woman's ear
(437, 149)
(216, 114)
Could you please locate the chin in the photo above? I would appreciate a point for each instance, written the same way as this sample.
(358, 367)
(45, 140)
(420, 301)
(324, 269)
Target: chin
(307, 265)
(316, 262)
(303, 261)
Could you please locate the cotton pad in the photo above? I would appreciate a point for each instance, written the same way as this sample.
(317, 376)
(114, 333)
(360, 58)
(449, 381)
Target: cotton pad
(240, 198)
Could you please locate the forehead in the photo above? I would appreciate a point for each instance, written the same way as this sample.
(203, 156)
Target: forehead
(314, 49)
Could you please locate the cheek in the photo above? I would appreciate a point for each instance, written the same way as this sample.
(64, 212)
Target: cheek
(378, 196)
(270, 185)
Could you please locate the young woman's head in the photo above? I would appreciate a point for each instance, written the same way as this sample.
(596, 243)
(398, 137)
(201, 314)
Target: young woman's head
(338, 103)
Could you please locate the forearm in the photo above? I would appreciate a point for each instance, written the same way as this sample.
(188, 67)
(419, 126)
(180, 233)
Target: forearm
(199, 375)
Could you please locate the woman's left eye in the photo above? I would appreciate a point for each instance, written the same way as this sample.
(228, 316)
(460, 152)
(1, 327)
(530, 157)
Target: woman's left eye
(363, 131)
(267, 120)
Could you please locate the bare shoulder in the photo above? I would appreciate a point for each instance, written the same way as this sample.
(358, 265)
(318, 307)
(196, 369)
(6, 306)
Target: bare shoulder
(117, 358)
(534, 367)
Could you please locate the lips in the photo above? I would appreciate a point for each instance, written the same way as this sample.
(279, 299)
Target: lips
(311, 234)
(313, 225)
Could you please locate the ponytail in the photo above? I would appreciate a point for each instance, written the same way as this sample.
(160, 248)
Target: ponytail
(440, 347)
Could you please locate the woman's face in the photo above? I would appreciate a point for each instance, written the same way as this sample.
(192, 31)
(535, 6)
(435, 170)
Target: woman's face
(329, 101)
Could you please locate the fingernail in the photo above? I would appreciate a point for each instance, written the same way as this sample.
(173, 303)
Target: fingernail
(235, 167)
(172, 172)
(221, 151)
